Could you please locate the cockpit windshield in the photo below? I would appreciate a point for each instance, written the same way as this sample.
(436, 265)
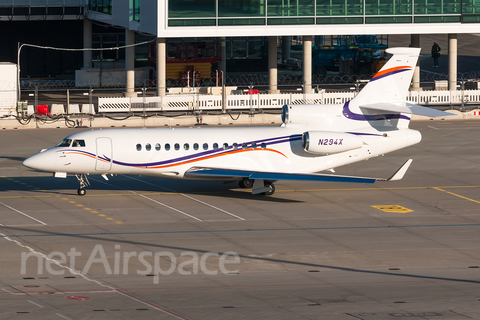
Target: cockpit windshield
(68, 142)
(64, 143)
(78, 143)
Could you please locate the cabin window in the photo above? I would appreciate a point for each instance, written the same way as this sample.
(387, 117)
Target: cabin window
(244, 146)
(263, 145)
(254, 145)
(186, 146)
(157, 147)
(78, 143)
(177, 146)
(235, 146)
(139, 147)
(195, 146)
(205, 146)
(225, 146)
(215, 146)
(64, 143)
(167, 146)
(148, 147)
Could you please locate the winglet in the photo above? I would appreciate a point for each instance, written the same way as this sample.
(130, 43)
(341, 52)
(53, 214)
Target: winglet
(398, 175)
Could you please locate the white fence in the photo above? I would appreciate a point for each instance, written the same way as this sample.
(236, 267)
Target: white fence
(189, 102)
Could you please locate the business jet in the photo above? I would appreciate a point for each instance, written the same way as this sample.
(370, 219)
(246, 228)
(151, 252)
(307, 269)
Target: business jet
(312, 138)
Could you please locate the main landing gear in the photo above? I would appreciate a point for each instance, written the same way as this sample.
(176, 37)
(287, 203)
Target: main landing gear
(270, 185)
(258, 186)
(246, 183)
(82, 178)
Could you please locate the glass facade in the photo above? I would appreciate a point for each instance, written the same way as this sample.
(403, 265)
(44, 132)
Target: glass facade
(103, 6)
(305, 12)
(290, 8)
(339, 7)
(240, 8)
(136, 10)
(192, 9)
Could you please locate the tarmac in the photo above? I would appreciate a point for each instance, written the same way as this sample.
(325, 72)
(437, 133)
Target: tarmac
(152, 248)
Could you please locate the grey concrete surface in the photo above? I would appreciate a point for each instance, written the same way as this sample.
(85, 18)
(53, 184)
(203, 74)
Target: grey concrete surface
(310, 251)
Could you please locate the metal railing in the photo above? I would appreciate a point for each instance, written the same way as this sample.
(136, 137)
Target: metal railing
(195, 102)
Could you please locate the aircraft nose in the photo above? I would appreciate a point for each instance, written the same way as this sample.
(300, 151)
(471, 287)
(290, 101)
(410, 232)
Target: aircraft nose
(41, 161)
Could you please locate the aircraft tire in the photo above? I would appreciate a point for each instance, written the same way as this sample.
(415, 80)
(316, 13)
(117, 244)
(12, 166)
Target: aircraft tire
(272, 191)
(81, 191)
(245, 184)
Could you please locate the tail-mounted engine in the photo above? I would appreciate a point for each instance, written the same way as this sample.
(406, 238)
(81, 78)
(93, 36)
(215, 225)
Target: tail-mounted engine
(302, 114)
(327, 142)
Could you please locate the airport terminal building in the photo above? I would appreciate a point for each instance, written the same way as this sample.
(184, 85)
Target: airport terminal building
(77, 24)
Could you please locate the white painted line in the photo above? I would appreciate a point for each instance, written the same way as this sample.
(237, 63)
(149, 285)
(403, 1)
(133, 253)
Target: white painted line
(152, 184)
(35, 303)
(56, 262)
(14, 293)
(26, 215)
(165, 205)
(73, 271)
(433, 127)
(184, 195)
(160, 203)
(233, 215)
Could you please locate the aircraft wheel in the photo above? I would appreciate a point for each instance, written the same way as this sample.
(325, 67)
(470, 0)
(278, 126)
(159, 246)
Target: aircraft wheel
(245, 184)
(272, 190)
(81, 192)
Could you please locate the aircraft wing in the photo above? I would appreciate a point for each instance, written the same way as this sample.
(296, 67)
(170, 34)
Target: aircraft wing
(409, 108)
(218, 173)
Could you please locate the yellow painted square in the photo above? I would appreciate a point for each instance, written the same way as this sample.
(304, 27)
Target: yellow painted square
(393, 208)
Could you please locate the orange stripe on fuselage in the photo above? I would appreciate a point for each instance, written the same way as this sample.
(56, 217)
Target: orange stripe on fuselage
(211, 157)
(81, 153)
(84, 154)
(381, 73)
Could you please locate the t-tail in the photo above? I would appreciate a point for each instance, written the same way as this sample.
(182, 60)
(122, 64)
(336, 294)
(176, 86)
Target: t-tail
(386, 93)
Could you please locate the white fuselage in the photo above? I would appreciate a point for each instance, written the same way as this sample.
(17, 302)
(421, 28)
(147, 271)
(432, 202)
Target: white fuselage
(143, 151)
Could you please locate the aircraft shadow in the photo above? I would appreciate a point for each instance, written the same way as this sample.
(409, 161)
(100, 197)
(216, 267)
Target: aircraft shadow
(140, 184)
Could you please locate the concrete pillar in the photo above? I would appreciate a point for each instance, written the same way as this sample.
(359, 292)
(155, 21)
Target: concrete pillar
(415, 43)
(161, 67)
(130, 64)
(87, 43)
(452, 61)
(286, 43)
(223, 53)
(272, 63)
(307, 64)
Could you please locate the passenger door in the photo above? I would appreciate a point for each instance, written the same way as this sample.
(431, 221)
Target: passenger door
(104, 154)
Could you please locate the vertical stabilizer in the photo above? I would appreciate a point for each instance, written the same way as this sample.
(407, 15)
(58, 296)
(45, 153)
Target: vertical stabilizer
(392, 82)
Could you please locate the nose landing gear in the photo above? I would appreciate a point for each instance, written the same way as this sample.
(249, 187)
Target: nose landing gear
(82, 178)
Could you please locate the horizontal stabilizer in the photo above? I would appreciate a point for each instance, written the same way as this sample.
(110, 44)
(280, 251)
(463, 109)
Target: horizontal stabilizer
(218, 173)
(409, 108)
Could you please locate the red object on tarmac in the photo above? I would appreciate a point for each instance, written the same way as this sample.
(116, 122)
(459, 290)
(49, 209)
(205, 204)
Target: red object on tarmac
(42, 110)
(79, 298)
